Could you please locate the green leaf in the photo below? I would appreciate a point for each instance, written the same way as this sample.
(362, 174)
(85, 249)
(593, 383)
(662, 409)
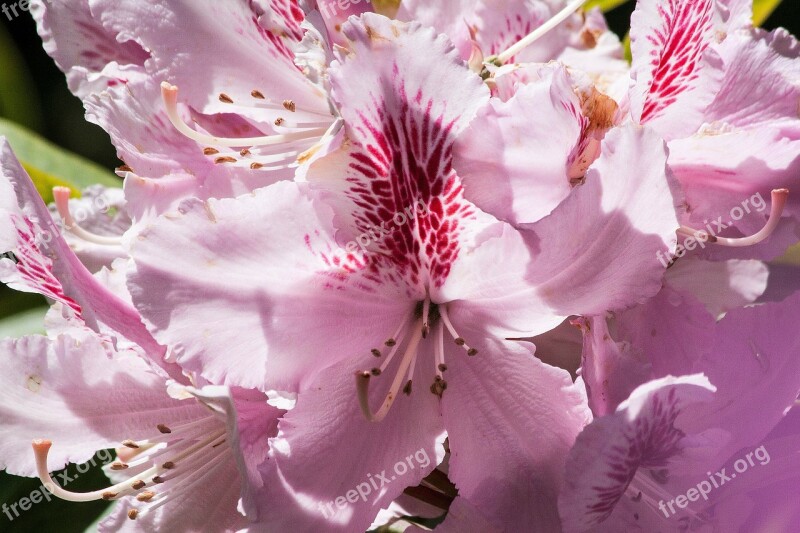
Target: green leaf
(762, 9)
(50, 165)
(25, 323)
(18, 100)
(605, 5)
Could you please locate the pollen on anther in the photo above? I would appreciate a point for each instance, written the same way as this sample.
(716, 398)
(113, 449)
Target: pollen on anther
(376, 352)
(158, 479)
(442, 367)
(138, 484)
(108, 496)
(390, 343)
(133, 513)
(118, 466)
(460, 341)
(375, 371)
(168, 465)
(163, 429)
(130, 444)
(472, 351)
(244, 151)
(146, 496)
(256, 166)
(257, 94)
(279, 121)
(224, 98)
(124, 168)
(210, 151)
(407, 388)
(225, 159)
(290, 105)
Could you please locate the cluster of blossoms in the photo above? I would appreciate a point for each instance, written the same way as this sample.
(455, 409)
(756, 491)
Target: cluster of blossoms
(519, 328)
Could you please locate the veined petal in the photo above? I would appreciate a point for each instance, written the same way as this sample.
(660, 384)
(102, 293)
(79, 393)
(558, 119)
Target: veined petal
(288, 292)
(45, 264)
(508, 456)
(238, 45)
(514, 158)
(70, 391)
(626, 209)
(645, 432)
(342, 468)
(79, 44)
(721, 285)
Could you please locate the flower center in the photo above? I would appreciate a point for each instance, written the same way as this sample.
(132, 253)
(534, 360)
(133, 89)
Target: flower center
(176, 460)
(413, 330)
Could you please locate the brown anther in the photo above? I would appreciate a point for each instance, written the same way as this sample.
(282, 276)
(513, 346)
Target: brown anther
(256, 166)
(158, 479)
(108, 496)
(133, 513)
(407, 388)
(472, 351)
(442, 367)
(257, 94)
(225, 99)
(439, 386)
(169, 465)
(365, 374)
(425, 330)
(390, 343)
(290, 105)
(210, 151)
(460, 341)
(375, 371)
(244, 151)
(146, 496)
(118, 466)
(124, 168)
(376, 352)
(138, 484)
(225, 159)
(279, 121)
(130, 444)
(163, 429)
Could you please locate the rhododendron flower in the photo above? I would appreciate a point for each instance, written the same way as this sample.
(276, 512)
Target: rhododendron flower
(628, 467)
(724, 95)
(173, 455)
(363, 268)
(441, 330)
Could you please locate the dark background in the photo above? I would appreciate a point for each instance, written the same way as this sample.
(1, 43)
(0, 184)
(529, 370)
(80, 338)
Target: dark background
(54, 113)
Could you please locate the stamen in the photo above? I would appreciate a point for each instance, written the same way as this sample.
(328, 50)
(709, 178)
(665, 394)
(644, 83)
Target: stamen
(779, 197)
(169, 93)
(458, 339)
(41, 449)
(363, 379)
(541, 31)
(61, 196)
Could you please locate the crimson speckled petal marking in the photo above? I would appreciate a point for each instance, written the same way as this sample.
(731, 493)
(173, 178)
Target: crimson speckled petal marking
(681, 44)
(35, 269)
(408, 161)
